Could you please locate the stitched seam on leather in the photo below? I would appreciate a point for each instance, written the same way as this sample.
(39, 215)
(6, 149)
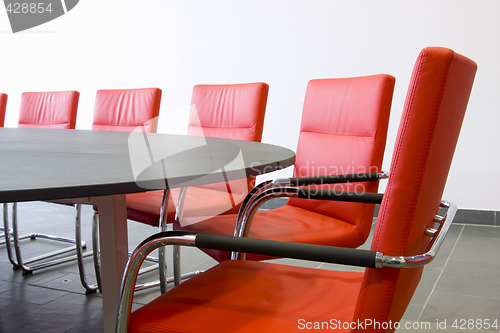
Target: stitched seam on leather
(421, 169)
(119, 124)
(429, 141)
(225, 127)
(63, 123)
(433, 124)
(411, 99)
(335, 134)
(403, 131)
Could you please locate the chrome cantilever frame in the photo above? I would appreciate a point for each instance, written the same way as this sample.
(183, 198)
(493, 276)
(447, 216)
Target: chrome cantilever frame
(160, 261)
(7, 234)
(132, 269)
(246, 201)
(189, 239)
(262, 193)
(178, 277)
(89, 288)
(437, 235)
(2, 229)
(23, 264)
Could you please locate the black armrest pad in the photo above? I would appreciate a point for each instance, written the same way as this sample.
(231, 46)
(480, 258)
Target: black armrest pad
(334, 179)
(305, 193)
(330, 254)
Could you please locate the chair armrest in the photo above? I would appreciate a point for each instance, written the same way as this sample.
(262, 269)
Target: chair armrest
(284, 188)
(336, 179)
(311, 252)
(305, 193)
(249, 205)
(304, 181)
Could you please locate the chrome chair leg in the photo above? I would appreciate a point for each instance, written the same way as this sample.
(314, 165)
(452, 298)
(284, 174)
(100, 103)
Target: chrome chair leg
(5, 209)
(7, 236)
(89, 289)
(161, 251)
(23, 264)
(97, 257)
(177, 264)
(177, 249)
(160, 261)
(95, 249)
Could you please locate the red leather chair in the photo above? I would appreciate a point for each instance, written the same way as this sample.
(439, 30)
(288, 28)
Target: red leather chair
(49, 109)
(55, 109)
(3, 107)
(249, 296)
(126, 109)
(233, 111)
(120, 110)
(343, 130)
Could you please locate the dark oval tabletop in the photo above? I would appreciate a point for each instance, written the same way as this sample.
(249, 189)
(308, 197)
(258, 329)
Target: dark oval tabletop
(48, 164)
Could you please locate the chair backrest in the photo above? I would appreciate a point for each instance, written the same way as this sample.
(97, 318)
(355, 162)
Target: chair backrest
(3, 107)
(126, 109)
(231, 111)
(51, 109)
(435, 105)
(343, 130)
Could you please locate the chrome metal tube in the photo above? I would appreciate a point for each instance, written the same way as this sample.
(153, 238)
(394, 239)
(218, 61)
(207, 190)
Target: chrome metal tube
(89, 289)
(162, 266)
(244, 221)
(95, 249)
(177, 250)
(248, 209)
(8, 235)
(434, 245)
(132, 269)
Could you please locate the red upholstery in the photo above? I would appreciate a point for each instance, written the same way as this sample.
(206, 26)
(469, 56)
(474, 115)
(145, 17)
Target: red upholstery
(434, 110)
(125, 109)
(233, 111)
(241, 296)
(343, 130)
(237, 296)
(54, 109)
(201, 202)
(3, 107)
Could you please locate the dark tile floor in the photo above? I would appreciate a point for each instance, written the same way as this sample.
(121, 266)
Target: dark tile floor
(459, 286)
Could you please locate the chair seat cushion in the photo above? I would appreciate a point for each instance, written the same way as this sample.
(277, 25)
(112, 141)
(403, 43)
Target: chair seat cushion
(200, 204)
(287, 223)
(252, 297)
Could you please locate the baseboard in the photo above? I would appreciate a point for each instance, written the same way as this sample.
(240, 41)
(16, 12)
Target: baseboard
(463, 216)
(483, 217)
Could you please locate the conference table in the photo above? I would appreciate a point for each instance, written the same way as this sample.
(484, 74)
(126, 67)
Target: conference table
(100, 167)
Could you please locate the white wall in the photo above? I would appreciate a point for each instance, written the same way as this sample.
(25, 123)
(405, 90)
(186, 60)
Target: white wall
(177, 44)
